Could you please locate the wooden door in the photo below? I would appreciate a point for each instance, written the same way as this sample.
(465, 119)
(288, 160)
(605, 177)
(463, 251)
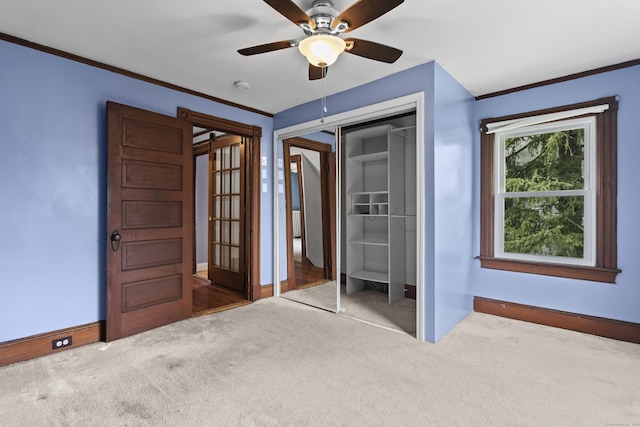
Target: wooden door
(227, 264)
(149, 206)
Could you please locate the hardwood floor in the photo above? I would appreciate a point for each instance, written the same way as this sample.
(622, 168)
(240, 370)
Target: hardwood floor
(208, 298)
(307, 276)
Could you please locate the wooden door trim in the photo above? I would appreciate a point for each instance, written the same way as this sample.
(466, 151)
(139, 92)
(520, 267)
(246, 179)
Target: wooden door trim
(290, 283)
(223, 125)
(308, 144)
(252, 135)
(297, 159)
(199, 149)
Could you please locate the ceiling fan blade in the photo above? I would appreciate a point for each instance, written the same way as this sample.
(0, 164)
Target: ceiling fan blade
(268, 47)
(365, 11)
(372, 50)
(317, 73)
(291, 11)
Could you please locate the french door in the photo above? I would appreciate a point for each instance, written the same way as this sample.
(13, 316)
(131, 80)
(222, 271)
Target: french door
(227, 265)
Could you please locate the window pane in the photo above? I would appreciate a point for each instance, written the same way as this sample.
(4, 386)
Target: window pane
(551, 226)
(235, 181)
(224, 257)
(217, 184)
(216, 231)
(545, 162)
(235, 259)
(235, 156)
(226, 157)
(217, 213)
(226, 232)
(216, 255)
(217, 156)
(226, 202)
(226, 182)
(235, 233)
(235, 207)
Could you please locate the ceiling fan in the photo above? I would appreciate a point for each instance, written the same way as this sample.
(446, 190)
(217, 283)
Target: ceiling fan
(322, 25)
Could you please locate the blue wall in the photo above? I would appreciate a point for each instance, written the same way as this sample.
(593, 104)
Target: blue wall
(452, 203)
(53, 184)
(414, 80)
(616, 301)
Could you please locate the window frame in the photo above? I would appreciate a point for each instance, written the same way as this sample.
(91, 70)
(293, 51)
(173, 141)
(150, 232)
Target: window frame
(604, 268)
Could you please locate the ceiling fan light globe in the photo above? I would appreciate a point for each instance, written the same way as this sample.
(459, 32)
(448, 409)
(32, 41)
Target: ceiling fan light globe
(322, 50)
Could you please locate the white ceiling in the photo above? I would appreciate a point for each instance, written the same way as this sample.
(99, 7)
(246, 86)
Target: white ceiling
(486, 45)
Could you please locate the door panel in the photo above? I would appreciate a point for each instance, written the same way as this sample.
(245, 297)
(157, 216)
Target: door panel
(148, 214)
(226, 224)
(149, 206)
(151, 253)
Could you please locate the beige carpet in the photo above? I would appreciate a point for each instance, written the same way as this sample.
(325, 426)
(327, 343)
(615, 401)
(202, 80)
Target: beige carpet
(280, 363)
(367, 305)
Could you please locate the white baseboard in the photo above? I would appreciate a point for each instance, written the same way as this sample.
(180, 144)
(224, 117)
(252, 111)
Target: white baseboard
(202, 266)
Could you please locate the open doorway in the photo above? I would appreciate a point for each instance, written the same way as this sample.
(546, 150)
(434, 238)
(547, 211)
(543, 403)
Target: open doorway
(225, 214)
(309, 167)
(218, 283)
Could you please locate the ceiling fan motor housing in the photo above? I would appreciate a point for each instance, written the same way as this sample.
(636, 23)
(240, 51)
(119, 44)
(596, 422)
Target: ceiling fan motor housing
(323, 14)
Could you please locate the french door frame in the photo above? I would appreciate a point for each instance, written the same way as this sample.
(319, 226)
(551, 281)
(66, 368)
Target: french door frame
(251, 196)
(413, 102)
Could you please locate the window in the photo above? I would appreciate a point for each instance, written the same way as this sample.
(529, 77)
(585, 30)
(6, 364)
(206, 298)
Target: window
(544, 192)
(548, 192)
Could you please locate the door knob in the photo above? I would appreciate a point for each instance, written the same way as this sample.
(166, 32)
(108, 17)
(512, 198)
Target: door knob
(115, 240)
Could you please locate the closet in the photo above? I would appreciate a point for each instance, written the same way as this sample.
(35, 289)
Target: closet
(380, 207)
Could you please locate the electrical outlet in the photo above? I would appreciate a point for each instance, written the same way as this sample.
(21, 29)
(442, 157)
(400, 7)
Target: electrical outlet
(60, 343)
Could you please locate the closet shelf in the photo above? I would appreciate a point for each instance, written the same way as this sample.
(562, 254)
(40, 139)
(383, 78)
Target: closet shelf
(370, 241)
(403, 129)
(373, 203)
(376, 246)
(368, 193)
(370, 157)
(373, 276)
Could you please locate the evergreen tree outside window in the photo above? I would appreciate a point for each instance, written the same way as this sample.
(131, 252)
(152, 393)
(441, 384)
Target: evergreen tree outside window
(549, 192)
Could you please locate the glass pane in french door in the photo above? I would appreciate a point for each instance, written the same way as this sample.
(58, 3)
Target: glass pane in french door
(225, 200)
